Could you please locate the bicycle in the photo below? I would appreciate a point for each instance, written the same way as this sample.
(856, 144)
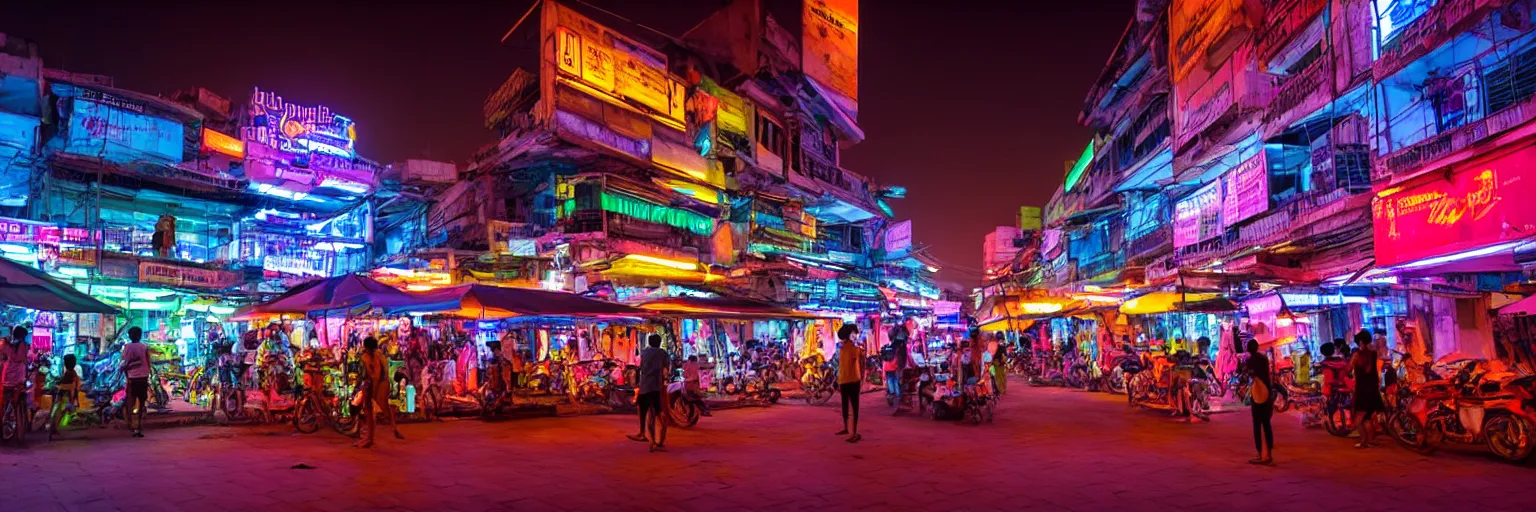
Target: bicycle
(13, 419)
(315, 404)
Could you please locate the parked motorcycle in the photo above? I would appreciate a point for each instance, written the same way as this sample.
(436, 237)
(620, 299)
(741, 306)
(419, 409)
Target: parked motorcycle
(1469, 409)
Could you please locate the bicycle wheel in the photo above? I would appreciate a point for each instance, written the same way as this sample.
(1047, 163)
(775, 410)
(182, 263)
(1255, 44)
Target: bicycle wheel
(306, 416)
(10, 423)
(432, 403)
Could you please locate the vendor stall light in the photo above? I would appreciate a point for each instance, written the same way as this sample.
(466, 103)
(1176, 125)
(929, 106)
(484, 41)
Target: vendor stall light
(419, 287)
(1092, 288)
(221, 310)
(1040, 308)
(1097, 298)
(212, 319)
(680, 265)
(1464, 255)
(15, 249)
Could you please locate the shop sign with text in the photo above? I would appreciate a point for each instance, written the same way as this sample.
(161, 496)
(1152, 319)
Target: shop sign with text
(1476, 207)
(176, 275)
(1247, 190)
(1198, 216)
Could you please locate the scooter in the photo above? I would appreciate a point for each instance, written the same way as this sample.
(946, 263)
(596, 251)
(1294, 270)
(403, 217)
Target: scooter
(1469, 409)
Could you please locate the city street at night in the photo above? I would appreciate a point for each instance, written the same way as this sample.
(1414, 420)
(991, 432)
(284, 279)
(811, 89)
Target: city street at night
(1139, 255)
(1049, 449)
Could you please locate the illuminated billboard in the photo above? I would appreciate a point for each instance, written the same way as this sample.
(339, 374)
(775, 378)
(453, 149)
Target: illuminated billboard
(612, 67)
(117, 135)
(830, 55)
(1478, 206)
(298, 129)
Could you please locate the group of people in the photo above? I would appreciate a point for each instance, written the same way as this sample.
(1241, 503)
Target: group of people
(1359, 370)
(654, 377)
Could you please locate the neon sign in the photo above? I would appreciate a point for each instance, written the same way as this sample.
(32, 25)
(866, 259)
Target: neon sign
(298, 129)
(1467, 211)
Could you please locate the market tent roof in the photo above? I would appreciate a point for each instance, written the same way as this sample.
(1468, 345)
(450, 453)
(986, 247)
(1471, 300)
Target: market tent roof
(495, 302)
(723, 307)
(30, 288)
(996, 308)
(1163, 302)
(1526, 306)
(340, 292)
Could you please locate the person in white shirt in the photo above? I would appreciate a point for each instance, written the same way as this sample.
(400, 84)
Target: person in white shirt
(136, 366)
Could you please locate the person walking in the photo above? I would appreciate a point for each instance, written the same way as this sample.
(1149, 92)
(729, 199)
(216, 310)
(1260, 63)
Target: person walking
(1263, 408)
(1367, 399)
(15, 354)
(136, 366)
(1000, 370)
(653, 378)
(850, 375)
(375, 378)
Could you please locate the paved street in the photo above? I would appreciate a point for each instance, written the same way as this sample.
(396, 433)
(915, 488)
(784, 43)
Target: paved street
(1049, 449)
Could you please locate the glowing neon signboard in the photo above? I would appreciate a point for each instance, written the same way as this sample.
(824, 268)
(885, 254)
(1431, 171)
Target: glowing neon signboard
(298, 129)
(1198, 216)
(1477, 207)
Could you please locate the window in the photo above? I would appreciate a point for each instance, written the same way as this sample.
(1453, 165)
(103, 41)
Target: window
(770, 134)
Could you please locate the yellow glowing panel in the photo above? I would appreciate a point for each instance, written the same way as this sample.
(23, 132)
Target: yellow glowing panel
(696, 191)
(1162, 302)
(597, 65)
(215, 141)
(568, 51)
(677, 264)
(640, 82)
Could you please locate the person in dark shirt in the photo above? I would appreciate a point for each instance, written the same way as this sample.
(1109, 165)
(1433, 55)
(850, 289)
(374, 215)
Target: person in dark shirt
(653, 370)
(1367, 400)
(1263, 411)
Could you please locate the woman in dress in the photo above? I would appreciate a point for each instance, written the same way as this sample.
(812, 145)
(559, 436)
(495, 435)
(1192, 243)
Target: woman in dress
(1367, 399)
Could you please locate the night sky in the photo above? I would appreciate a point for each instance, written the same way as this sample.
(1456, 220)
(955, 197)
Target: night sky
(973, 108)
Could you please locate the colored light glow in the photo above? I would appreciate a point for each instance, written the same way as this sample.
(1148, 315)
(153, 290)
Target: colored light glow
(1092, 288)
(1077, 168)
(15, 249)
(1040, 308)
(74, 272)
(1097, 298)
(221, 143)
(677, 264)
(1464, 255)
(650, 212)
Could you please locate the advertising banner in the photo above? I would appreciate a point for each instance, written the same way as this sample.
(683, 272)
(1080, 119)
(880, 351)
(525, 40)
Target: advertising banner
(1479, 206)
(176, 275)
(1198, 216)
(298, 129)
(898, 237)
(118, 135)
(830, 53)
(1195, 25)
(1247, 190)
(612, 64)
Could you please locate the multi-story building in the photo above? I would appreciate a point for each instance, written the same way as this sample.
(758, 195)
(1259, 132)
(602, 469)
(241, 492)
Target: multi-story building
(650, 165)
(176, 209)
(1348, 161)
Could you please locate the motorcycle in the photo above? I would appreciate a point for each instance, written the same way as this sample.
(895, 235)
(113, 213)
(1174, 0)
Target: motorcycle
(683, 408)
(1469, 409)
(819, 381)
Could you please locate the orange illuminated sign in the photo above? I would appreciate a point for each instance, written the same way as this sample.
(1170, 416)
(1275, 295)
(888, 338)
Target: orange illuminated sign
(215, 141)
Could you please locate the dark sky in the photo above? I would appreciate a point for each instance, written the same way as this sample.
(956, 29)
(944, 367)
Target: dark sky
(973, 108)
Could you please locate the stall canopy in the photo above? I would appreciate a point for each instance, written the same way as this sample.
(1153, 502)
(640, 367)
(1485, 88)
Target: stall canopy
(1164, 302)
(30, 288)
(723, 307)
(1526, 306)
(340, 292)
(1000, 308)
(496, 302)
